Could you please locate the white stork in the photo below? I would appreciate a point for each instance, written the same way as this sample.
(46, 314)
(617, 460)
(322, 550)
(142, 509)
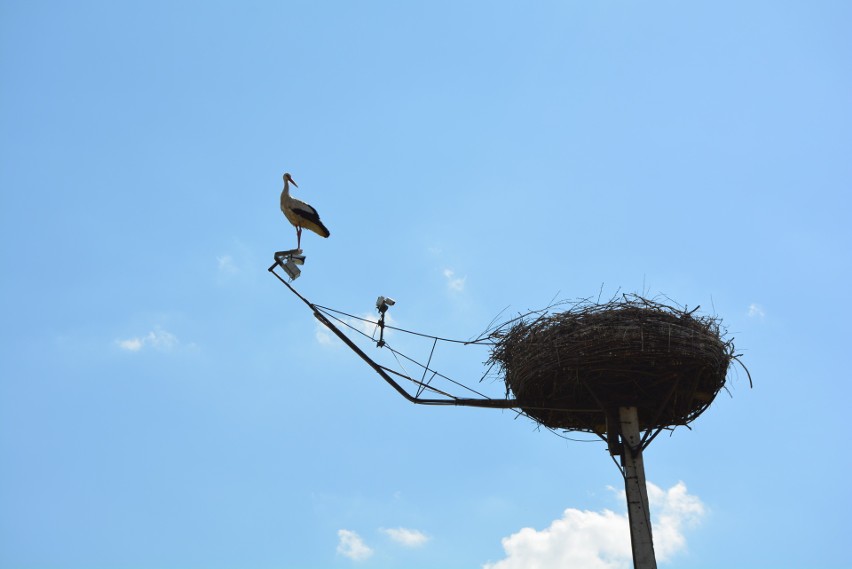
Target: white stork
(300, 214)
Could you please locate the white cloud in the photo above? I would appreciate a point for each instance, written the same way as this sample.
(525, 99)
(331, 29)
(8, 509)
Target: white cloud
(407, 537)
(601, 540)
(161, 339)
(322, 334)
(676, 509)
(368, 322)
(352, 546)
(454, 283)
(227, 265)
(756, 311)
(131, 345)
(591, 540)
(158, 339)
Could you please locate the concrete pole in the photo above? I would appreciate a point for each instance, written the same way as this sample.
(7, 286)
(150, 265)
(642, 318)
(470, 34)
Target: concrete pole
(638, 511)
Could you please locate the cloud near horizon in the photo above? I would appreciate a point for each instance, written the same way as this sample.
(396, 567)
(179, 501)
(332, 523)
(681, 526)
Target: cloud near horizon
(601, 540)
(454, 283)
(352, 546)
(407, 537)
(157, 339)
(756, 311)
(227, 265)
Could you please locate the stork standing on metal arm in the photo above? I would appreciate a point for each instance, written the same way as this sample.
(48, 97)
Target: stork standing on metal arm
(300, 214)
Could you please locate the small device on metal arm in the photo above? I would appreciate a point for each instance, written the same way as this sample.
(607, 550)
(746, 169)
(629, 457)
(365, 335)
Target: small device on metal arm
(382, 305)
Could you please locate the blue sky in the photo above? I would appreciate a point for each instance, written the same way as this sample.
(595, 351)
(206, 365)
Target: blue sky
(165, 402)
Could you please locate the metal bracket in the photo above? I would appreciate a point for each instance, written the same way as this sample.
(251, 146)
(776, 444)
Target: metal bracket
(289, 261)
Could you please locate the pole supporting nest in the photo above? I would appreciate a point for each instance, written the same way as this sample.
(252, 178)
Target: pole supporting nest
(638, 510)
(624, 439)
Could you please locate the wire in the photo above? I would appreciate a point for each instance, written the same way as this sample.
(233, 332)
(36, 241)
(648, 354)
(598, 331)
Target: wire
(398, 353)
(347, 324)
(399, 363)
(388, 326)
(425, 369)
(567, 438)
(442, 376)
(429, 387)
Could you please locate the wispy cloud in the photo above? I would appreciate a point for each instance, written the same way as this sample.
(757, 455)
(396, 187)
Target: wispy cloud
(601, 540)
(323, 334)
(227, 265)
(131, 344)
(407, 537)
(157, 339)
(454, 283)
(756, 311)
(352, 546)
(365, 322)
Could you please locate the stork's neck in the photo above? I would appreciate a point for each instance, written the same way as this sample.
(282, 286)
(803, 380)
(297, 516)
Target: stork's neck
(285, 193)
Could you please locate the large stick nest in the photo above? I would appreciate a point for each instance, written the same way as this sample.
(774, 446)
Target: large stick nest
(569, 369)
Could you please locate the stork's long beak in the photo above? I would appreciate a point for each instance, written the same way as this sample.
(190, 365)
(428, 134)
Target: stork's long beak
(292, 181)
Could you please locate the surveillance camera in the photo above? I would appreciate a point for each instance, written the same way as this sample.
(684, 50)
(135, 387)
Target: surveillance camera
(292, 270)
(383, 302)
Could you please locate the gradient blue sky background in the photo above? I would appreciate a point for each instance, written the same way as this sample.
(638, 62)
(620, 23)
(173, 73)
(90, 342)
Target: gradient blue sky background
(165, 402)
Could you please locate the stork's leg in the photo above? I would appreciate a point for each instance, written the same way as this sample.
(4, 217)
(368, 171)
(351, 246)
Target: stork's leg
(298, 237)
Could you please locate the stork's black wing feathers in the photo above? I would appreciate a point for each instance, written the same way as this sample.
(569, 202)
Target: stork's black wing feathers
(306, 212)
(310, 215)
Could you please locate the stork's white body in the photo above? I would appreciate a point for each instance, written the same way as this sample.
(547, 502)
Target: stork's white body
(300, 214)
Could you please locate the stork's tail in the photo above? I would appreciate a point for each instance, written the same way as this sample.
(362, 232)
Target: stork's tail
(323, 230)
(317, 227)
